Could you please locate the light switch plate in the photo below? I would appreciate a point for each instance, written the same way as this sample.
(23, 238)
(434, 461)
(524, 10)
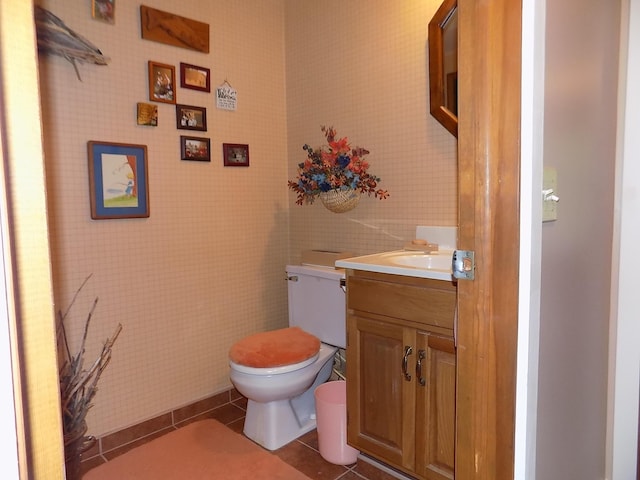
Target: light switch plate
(550, 200)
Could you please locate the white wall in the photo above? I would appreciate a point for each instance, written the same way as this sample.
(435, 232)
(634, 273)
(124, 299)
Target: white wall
(581, 68)
(533, 43)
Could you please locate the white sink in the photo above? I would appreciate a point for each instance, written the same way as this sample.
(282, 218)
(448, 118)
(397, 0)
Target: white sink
(427, 261)
(436, 265)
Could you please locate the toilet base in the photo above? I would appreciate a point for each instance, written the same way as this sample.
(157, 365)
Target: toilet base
(274, 424)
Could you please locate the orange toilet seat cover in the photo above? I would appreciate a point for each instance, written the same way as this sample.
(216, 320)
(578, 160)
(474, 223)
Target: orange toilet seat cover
(275, 348)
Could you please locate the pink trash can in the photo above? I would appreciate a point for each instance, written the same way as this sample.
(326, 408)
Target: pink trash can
(331, 417)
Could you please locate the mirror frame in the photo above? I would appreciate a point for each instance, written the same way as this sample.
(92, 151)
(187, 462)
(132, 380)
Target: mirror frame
(436, 67)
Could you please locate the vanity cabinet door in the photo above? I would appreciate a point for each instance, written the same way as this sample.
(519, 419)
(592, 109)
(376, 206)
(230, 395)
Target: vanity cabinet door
(380, 399)
(401, 372)
(436, 399)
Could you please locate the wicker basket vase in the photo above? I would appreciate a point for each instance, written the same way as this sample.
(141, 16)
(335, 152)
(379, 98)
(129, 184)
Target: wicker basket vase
(340, 201)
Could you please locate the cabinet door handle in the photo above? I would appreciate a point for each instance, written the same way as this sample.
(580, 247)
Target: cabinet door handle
(405, 361)
(421, 356)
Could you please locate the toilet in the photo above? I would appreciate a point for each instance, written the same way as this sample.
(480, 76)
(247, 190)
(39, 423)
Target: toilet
(278, 371)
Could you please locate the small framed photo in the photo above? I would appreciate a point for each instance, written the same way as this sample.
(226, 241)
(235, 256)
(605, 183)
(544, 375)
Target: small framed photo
(147, 114)
(191, 118)
(104, 10)
(195, 148)
(162, 81)
(235, 155)
(118, 180)
(195, 78)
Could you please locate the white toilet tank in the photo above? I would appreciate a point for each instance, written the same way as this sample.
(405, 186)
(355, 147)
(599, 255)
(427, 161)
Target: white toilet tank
(317, 302)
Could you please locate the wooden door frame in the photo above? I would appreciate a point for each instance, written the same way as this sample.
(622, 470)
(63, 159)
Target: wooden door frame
(489, 164)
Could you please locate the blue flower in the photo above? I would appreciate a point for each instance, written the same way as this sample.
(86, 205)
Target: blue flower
(318, 177)
(343, 161)
(325, 187)
(354, 181)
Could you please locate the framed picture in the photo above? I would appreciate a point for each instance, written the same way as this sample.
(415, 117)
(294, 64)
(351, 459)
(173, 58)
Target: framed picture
(235, 155)
(118, 180)
(162, 81)
(191, 118)
(195, 148)
(195, 78)
(147, 114)
(104, 10)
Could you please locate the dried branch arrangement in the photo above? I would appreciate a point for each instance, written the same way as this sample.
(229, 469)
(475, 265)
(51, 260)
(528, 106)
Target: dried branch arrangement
(78, 385)
(55, 38)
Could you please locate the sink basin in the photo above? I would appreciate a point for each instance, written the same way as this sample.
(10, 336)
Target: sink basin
(429, 261)
(436, 265)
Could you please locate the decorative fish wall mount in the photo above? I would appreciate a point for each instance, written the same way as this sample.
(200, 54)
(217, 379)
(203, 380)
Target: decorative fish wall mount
(55, 38)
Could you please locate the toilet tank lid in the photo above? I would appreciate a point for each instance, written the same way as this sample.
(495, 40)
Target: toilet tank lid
(316, 271)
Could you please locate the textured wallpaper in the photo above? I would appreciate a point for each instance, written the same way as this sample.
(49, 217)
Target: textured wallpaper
(207, 267)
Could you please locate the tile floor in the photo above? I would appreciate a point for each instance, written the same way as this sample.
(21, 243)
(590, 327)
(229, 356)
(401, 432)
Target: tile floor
(301, 454)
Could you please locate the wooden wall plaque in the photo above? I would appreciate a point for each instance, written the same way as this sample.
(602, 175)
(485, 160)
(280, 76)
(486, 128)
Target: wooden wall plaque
(171, 29)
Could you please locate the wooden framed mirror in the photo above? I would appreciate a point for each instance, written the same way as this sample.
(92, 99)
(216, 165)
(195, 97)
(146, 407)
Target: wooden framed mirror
(443, 65)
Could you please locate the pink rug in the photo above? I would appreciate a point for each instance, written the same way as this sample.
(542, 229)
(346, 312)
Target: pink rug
(204, 450)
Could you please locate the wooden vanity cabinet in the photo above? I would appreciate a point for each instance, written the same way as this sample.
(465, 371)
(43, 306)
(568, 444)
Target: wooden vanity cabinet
(401, 371)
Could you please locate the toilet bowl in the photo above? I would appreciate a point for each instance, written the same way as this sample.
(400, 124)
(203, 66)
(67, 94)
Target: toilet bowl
(280, 403)
(278, 371)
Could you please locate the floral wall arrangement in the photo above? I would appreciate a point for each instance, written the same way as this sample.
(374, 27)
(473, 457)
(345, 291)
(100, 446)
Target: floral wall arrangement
(335, 168)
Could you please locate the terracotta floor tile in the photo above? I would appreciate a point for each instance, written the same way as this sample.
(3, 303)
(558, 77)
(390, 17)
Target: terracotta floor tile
(227, 413)
(90, 463)
(240, 402)
(125, 448)
(310, 439)
(235, 395)
(370, 472)
(140, 430)
(200, 407)
(352, 476)
(309, 462)
(237, 425)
